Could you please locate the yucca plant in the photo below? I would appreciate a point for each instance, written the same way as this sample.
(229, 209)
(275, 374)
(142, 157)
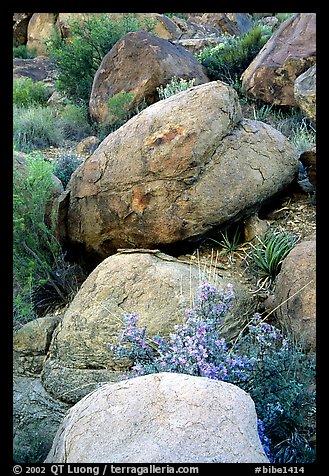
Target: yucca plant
(230, 242)
(266, 256)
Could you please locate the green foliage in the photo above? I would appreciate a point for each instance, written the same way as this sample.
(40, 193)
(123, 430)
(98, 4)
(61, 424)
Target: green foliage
(35, 127)
(175, 86)
(120, 109)
(64, 165)
(283, 16)
(22, 51)
(73, 121)
(77, 58)
(37, 256)
(27, 92)
(228, 60)
(35, 250)
(266, 256)
(230, 242)
(281, 385)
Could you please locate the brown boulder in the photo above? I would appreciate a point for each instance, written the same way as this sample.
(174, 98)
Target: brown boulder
(308, 159)
(156, 286)
(295, 293)
(289, 52)
(41, 26)
(180, 168)
(20, 23)
(305, 92)
(40, 68)
(230, 23)
(158, 61)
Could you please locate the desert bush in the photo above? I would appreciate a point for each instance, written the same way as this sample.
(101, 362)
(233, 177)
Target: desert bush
(121, 108)
(38, 260)
(35, 127)
(22, 51)
(64, 165)
(262, 361)
(77, 58)
(176, 85)
(27, 92)
(228, 60)
(73, 121)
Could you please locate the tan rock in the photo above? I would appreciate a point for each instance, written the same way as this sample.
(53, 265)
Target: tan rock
(161, 418)
(289, 52)
(41, 26)
(295, 293)
(172, 173)
(156, 286)
(158, 60)
(21, 21)
(305, 92)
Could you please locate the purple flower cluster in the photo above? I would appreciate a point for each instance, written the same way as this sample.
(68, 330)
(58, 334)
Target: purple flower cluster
(195, 348)
(266, 442)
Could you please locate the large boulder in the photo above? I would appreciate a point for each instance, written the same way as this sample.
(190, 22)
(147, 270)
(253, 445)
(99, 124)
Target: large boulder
(305, 92)
(20, 23)
(36, 418)
(289, 52)
(40, 68)
(161, 418)
(229, 23)
(152, 284)
(173, 173)
(31, 343)
(158, 61)
(40, 28)
(295, 294)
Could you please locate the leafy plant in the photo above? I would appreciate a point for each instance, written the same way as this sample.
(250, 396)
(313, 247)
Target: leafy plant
(22, 51)
(64, 165)
(279, 384)
(35, 127)
(77, 58)
(176, 85)
(27, 92)
(73, 121)
(37, 256)
(120, 109)
(262, 361)
(228, 60)
(194, 348)
(266, 256)
(230, 242)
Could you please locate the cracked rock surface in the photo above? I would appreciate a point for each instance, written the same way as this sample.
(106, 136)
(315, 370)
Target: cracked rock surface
(152, 284)
(173, 173)
(161, 418)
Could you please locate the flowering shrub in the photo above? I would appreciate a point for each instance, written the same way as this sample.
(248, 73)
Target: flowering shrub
(195, 348)
(263, 362)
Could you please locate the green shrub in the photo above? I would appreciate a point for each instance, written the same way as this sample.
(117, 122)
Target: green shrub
(27, 92)
(266, 256)
(281, 384)
(262, 360)
(35, 127)
(64, 165)
(120, 109)
(77, 58)
(38, 261)
(175, 86)
(73, 121)
(22, 51)
(228, 60)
